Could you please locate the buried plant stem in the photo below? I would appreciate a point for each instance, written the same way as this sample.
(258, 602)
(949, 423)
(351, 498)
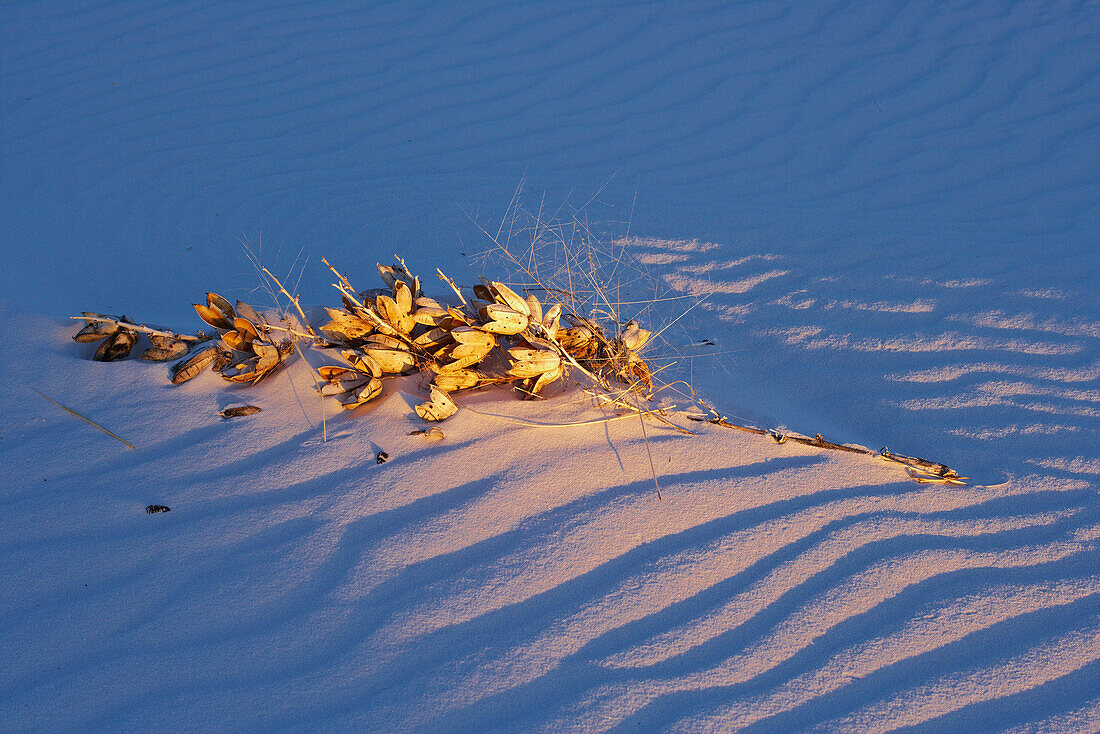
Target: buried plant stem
(86, 420)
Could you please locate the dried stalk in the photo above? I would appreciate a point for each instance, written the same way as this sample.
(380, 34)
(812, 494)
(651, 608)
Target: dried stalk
(100, 318)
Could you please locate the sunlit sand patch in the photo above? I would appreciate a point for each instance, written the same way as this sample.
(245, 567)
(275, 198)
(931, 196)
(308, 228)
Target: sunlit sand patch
(918, 306)
(1076, 465)
(810, 337)
(701, 287)
(1045, 293)
(932, 630)
(732, 313)
(1040, 664)
(1026, 321)
(793, 633)
(955, 371)
(662, 245)
(989, 433)
(709, 267)
(798, 300)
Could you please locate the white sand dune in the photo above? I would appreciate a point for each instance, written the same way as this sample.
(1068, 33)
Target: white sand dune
(874, 220)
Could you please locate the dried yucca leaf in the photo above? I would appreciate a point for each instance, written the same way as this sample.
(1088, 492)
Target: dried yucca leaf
(116, 346)
(439, 406)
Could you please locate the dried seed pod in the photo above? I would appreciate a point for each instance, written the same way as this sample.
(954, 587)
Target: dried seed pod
(508, 297)
(268, 358)
(438, 407)
(362, 362)
(246, 329)
(387, 274)
(237, 342)
(165, 348)
(345, 327)
(534, 308)
(477, 351)
(468, 335)
(367, 392)
(213, 300)
(95, 331)
(433, 339)
(386, 342)
(117, 346)
(392, 361)
(402, 296)
(240, 411)
(217, 312)
(431, 315)
(533, 362)
(482, 292)
(634, 337)
(546, 378)
(213, 317)
(503, 319)
(245, 311)
(551, 320)
(193, 365)
(459, 379)
(425, 302)
(222, 359)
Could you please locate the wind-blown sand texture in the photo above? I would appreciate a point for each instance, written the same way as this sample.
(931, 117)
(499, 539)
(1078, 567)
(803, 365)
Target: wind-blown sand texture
(882, 219)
